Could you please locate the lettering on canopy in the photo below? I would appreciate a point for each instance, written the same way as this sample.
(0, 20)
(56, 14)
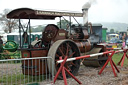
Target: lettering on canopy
(51, 13)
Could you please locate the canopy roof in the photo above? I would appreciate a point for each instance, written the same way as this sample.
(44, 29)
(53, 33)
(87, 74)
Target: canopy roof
(26, 13)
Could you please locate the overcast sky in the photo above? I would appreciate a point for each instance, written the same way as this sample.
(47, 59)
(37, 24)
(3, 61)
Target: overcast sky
(100, 11)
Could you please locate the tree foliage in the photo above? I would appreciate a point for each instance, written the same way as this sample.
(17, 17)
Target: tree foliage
(38, 28)
(112, 30)
(64, 24)
(7, 24)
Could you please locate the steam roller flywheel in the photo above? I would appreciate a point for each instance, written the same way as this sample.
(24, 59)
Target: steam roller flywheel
(61, 49)
(96, 61)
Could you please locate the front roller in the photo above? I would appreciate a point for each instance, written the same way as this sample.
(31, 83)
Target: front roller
(62, 48)
(96, 61)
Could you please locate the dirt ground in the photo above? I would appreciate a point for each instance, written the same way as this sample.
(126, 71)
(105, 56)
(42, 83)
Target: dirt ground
(90, 76)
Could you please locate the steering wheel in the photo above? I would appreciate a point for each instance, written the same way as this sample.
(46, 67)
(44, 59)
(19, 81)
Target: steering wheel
(50, 32)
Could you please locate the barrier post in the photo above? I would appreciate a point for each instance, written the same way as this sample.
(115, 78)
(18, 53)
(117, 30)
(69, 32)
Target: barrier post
(111, 63)
(123, 57)
(60, 69)
(63, 69)
(63, 73)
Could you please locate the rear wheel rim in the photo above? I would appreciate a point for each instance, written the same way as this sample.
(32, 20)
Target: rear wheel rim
(69, 49)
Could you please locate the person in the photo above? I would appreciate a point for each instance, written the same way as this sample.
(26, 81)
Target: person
(120, 37)
(34, 43)
(1, 45)
(1, 41)
(123, 44)
(124, 37)
(36, 38)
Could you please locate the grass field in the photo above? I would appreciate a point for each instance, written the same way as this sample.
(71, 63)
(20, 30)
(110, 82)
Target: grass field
(116, 58)
(21, 79)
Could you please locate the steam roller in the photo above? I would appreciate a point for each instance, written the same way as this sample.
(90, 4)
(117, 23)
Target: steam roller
(57, 42)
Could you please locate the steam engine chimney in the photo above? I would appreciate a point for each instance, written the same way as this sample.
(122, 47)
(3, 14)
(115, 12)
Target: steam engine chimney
(85, 8)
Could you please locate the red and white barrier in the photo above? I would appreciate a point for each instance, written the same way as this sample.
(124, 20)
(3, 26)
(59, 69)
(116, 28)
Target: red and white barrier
(114, 48)
(118, 51)
(111, 53)
(86, 56)
(124, 55)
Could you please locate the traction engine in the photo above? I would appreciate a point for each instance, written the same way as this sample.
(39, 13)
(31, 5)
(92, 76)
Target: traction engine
(74, 41)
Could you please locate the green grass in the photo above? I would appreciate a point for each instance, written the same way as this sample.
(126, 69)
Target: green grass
(116, 58)
(21, 79)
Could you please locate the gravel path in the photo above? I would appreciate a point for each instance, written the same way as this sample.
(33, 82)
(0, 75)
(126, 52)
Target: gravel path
(10, 69)
(89, 76)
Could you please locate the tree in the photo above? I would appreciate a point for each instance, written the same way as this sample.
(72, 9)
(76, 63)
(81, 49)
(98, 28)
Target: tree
(117, 32)
(38, 28)
(64, 24)
(7, 24)
(112, 30)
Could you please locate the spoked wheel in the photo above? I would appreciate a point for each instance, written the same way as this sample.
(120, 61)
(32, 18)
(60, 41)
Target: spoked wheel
(60, 49)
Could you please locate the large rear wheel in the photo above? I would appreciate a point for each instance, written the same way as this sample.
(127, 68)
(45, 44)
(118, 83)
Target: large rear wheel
(60, 49)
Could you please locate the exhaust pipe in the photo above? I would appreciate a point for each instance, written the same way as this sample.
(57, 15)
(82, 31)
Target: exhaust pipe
(85, 8)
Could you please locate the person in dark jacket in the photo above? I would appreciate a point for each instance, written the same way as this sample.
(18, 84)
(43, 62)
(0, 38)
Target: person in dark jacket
(1, 45)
